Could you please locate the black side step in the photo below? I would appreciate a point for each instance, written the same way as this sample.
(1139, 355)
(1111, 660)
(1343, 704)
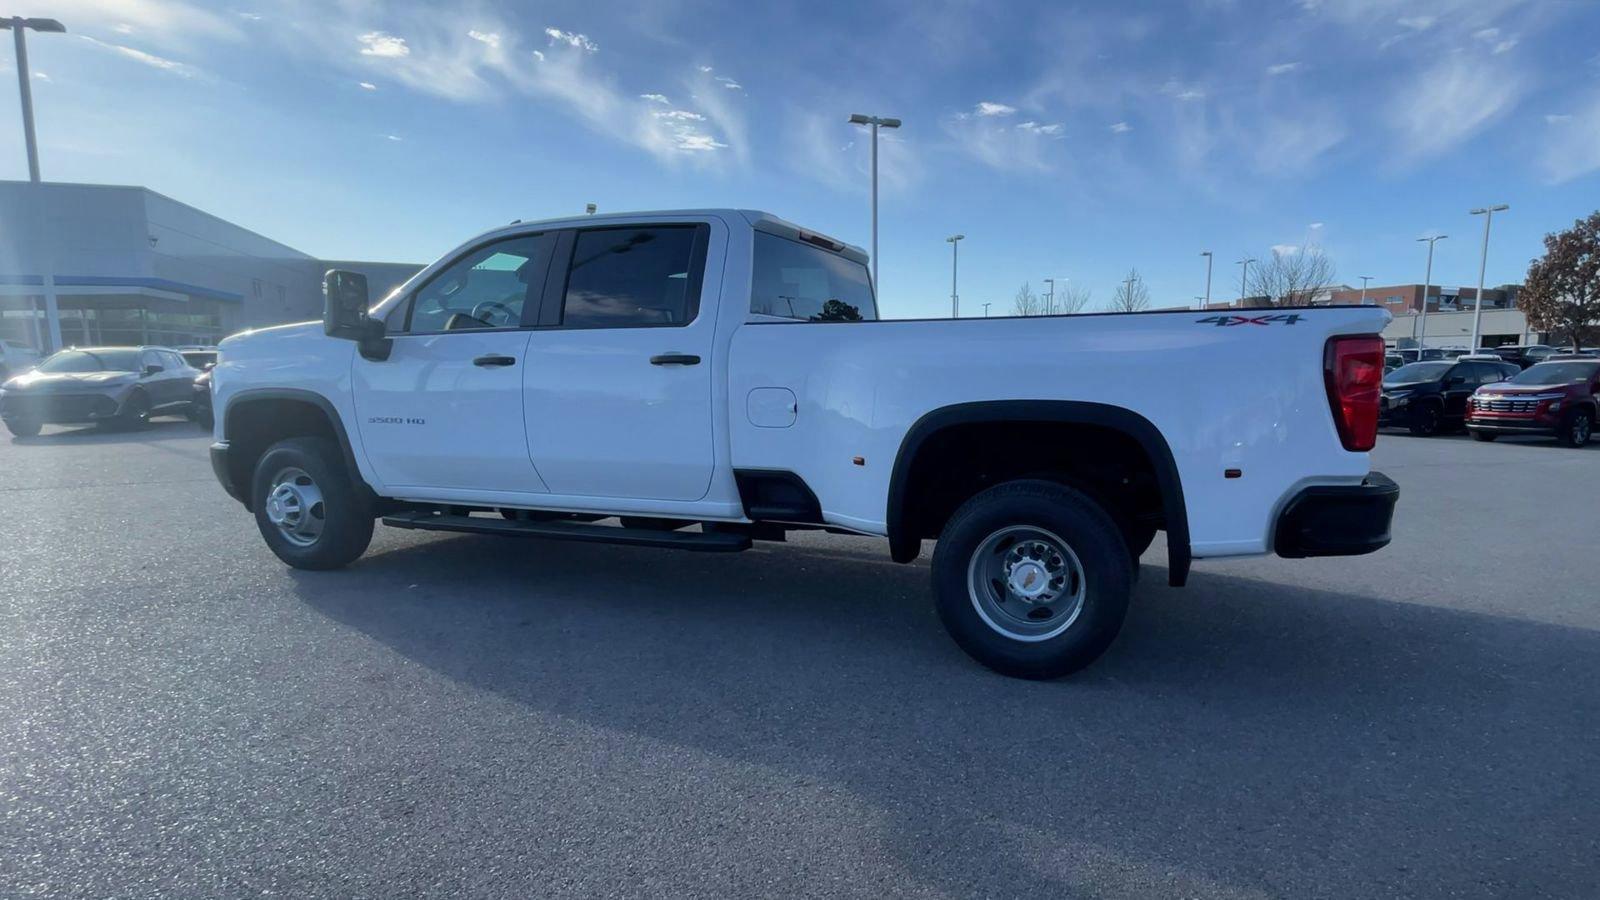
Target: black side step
(712, 541)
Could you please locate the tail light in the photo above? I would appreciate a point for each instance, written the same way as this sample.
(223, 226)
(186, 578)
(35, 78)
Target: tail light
(1352, 369)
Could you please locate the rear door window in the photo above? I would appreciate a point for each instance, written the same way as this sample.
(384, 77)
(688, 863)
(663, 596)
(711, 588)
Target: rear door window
(635, 277)
(793, 280)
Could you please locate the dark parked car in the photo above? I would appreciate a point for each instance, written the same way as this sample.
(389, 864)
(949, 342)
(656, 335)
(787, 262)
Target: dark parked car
(107, 385)
(198, 358)
(1557, 397)
(1523, 355)
(1429, 397)
(200, 402)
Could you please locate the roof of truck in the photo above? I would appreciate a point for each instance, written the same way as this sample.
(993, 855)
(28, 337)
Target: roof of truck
(758, 219)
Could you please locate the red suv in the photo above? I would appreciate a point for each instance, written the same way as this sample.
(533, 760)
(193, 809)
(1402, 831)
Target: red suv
(1559, 397)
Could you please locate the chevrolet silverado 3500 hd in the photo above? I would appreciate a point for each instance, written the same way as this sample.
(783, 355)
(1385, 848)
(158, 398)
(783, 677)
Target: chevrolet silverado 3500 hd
(728, 370)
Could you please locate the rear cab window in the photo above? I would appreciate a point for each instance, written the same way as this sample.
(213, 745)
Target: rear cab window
(795, 280)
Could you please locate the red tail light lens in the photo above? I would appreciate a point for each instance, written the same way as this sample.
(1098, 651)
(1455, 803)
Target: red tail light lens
(1352, 369)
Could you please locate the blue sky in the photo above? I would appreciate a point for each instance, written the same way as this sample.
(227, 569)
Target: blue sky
(1075, 141)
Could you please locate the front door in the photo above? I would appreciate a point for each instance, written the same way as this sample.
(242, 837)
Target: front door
(444, 411)
(618, 383)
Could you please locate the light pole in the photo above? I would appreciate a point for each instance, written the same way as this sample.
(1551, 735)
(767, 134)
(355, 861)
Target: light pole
(1483, 261)
(876, 122)
(1244, 276)
(1050, 297)
(1207, 301)
(1364, 280)
(1422, 342)
(986, 310)
(19, 27)
(955, 299)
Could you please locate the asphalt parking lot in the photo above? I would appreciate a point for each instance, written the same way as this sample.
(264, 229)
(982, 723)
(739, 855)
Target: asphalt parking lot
(184, 716)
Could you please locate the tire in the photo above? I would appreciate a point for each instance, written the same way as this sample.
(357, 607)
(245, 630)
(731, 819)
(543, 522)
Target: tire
(1577, 428)
(1019, 530)
(23, 427)
(200, 415)
(320, 519)
(1427, 420)
(135, 413)
(1484, 436)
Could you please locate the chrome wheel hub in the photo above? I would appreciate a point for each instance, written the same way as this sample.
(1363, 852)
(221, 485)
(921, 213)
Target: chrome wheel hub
(295, 505)
(1026, 583)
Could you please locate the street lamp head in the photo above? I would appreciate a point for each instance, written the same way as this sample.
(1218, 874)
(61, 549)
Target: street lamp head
(956, 237)
(889, 123)
(49, 25)
(859, 119)
(1489, 209)
(1437, 237)
(1205, 252)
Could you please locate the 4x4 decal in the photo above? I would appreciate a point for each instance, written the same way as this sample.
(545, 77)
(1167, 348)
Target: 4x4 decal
(1268, 319)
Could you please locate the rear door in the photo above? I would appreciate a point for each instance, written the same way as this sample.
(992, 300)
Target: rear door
(444, 411)
(617, 389)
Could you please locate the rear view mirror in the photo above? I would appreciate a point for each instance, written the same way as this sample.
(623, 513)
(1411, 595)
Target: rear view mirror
(153, 369)
(344, 311)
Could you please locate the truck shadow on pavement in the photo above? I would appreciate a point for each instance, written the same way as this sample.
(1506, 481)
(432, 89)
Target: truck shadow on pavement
(1241, 736)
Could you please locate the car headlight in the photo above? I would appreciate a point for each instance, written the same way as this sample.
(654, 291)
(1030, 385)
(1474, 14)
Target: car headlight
(1555, 405)
(1399, 399)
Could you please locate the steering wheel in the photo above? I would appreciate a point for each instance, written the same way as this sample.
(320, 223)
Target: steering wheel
(482, 310)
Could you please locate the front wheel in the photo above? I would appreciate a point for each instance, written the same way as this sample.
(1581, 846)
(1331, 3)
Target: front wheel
(22, 427)
(308, 506)
(1575, 432)
(1426, 420)
(135, 413)
(1032, 579)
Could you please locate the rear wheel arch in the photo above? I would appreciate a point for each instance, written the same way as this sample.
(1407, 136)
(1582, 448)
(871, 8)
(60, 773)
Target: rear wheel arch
(906, 532)
(254, 420)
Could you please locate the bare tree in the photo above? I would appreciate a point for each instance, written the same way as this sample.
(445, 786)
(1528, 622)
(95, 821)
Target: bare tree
(1562, 294)
(1131, 294)
(1071, 299)
(1292, 277)
(1027, 303)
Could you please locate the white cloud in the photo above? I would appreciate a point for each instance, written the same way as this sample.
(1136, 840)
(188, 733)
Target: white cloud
(367, 85)
(1315, 226)
(150, 59)
(41, 76)
(1416, 23)
(1568, 149)
(1557, 118)
(991, 108)
(1120, 128)
(383, 44)
(491, 38)
(1285, 249)
(1290, 145)
(571, 39)
(1282, 68)
(538, 55)
(655, 98)
(1449, 102)
(1053, 129)
(394, 137)
(1181, 91)
(123, 28)
(253, 17)
(704, 68)
(170, 24)
(729, 83)
(678, 115)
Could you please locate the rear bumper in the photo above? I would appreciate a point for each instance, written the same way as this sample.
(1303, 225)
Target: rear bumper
(1337, 520)
(219, 467)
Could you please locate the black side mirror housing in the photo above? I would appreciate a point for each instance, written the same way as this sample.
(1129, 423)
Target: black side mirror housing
(344, 313)
(152, 370)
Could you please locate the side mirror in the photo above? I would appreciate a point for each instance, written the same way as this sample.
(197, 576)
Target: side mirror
(344, 309)
(344, 313)
(152, 370)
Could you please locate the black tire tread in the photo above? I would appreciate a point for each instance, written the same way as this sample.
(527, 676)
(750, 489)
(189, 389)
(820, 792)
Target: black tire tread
(349, 519)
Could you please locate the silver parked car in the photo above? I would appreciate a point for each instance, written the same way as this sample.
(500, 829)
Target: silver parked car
(122, 386)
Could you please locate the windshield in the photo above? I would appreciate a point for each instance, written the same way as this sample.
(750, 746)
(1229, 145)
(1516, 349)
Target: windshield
(1556, 373)
(92, 361)
(1422, 371)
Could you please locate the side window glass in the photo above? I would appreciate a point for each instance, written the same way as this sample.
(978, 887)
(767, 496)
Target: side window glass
(634, 277)
(174, 362)
(486, 288)
(149, 358)
(799, 281)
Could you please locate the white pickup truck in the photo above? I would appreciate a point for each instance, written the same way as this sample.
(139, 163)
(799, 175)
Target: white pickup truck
(707, 378)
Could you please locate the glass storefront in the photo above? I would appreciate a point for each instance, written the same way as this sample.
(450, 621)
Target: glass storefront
(114, 320)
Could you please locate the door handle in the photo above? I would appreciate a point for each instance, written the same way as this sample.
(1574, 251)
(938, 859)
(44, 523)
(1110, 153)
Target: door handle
(675, 359)
(494, 359)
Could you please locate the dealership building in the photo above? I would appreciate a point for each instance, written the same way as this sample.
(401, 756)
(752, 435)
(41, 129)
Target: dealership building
(84, 264)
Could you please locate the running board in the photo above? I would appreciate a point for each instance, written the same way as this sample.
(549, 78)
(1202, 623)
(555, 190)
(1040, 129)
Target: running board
(711, 541)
